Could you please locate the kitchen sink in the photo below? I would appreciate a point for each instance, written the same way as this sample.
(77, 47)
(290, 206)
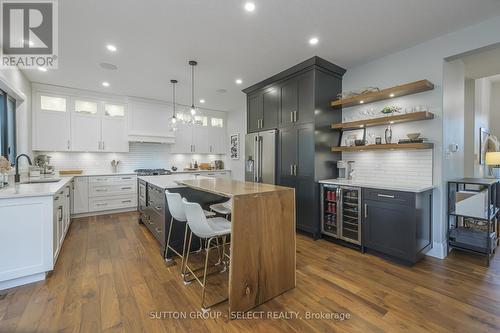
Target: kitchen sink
(38, 181)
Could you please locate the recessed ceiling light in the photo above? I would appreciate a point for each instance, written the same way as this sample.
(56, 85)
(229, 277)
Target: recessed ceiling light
(313, 41)
(105, 84)
(111, 47)
(361, 102)
(249, 6)
(239, 81)
(42, 69)
(391, 95)
(202, 101)
(31, 43)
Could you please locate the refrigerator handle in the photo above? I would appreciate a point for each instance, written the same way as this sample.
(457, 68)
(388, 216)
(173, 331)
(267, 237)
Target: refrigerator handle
(260, 158)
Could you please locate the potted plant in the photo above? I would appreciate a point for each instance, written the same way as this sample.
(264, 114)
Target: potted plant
(4, 169)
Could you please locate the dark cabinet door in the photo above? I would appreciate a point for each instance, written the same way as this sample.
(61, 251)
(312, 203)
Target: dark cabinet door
(305, 202)
(289, 102)
(255, 112)
(305, 151)
(287, 151)
(305, 92)
(271, 101)
(387, 228)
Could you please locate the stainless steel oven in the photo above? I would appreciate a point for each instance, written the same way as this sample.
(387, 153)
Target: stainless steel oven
(341, 212)
(141, 198)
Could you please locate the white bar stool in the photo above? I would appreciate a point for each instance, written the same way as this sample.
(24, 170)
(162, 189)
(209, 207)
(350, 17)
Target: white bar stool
(209, 229)
(223, 208)
(176, 209)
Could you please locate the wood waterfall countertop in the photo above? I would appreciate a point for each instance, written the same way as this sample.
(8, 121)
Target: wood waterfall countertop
(231, 188)
(262, 239)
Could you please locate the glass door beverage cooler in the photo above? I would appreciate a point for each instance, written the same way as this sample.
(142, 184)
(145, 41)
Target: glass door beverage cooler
(341, 212)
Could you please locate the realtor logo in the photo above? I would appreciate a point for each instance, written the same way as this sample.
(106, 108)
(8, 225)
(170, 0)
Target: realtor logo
(29, 33)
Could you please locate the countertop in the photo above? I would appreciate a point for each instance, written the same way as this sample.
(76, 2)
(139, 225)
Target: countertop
(230, 188)
(14, 191)
(170, 181)
(397, 187)
(198, 171)
(87, 174)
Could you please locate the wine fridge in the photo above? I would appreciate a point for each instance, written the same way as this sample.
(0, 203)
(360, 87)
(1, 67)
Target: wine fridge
(341, 212)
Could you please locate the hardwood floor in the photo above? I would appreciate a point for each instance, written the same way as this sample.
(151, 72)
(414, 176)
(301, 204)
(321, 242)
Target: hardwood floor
(111, 278)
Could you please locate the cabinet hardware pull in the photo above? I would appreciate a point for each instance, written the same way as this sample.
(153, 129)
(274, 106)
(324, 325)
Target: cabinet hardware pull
(295, 169)
(294, 116)
(126, 177)
(101, 190)
(366, 211)
(125, 201)
(291, 116)
(69, 144)
(101, 204)
(291, 169)
(126, 188)
(385, 196)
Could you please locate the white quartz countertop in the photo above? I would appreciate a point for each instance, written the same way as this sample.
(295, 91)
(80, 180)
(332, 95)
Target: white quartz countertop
(170, 181)
(87, 174)
(20, 190)
(396, 187)
(198, 171)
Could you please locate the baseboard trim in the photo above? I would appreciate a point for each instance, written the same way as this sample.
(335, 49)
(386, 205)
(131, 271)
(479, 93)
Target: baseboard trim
(105, 212)
(22, 281)
(439, 250)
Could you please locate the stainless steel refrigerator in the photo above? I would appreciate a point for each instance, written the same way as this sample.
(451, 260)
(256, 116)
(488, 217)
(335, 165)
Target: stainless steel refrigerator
(260, 157)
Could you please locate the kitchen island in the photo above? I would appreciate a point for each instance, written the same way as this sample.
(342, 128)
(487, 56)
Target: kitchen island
(262, 239)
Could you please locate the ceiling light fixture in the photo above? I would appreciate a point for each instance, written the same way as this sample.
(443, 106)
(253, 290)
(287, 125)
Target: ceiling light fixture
(313, 41)
(42, 69)
(192, 63)
(249, 7)
(239, 81)
(174, 116)
(391, 95)
(202, 101)
(105, 84)
(111, 48)
(361, 102)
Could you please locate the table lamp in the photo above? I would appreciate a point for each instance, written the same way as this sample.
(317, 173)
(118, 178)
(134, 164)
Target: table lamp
(493, 161)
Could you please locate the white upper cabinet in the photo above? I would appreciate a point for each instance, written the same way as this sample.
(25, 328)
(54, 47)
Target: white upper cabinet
(85, 125)
(201, 134)
(51, 122)
(150, 122)
(114, 128)
(72, 121)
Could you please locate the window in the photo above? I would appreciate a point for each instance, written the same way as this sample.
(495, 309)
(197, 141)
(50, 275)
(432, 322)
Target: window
(7, 126)
(114, 110)
(52, 103)
(217, 122)
(85, 107)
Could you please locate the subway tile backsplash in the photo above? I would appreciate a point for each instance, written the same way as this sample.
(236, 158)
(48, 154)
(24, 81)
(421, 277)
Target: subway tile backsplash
(140, 156)
(398, 167)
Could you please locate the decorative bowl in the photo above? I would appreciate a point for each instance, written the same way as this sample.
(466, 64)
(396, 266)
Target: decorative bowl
(413, 136)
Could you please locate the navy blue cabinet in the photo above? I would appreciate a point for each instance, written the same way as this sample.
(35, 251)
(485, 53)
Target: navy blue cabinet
(397, 224)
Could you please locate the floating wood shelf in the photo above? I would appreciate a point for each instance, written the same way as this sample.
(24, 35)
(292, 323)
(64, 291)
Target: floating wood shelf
(403, 118)
(398, 91)
(390, 146)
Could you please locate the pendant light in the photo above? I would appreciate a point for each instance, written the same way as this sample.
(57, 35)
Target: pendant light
(173, 120)
(192, 63)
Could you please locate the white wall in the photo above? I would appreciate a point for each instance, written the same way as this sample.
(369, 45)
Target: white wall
(15, 83)
(495, 109)
(469, 128)
(482, 94)
(425, 61)
(237, 124)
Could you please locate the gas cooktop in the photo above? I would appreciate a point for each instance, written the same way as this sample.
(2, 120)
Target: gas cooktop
(152, 172)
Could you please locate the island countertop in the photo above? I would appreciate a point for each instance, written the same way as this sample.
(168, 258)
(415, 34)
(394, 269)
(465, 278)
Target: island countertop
(231, 188)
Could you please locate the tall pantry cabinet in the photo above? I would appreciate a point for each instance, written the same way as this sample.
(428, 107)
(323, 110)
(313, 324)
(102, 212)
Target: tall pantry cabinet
(297, 103)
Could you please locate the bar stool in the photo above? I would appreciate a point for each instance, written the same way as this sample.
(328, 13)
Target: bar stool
(176, 209)
(209, 229)
(223, 208)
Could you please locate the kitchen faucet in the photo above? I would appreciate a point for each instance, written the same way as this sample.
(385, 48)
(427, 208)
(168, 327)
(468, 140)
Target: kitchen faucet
(17, 177)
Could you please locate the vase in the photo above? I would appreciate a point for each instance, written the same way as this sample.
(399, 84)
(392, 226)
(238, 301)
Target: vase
(388, 134)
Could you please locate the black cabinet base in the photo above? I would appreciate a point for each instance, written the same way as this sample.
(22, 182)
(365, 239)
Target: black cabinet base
(313, 234)
(343, 243)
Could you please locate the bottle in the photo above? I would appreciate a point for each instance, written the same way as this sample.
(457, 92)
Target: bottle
(388, 134)
(195, 164)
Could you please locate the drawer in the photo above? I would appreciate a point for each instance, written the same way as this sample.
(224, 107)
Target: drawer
(126, 179)
(116, 202)
(157, 226)
(389, 196)
(97, 189)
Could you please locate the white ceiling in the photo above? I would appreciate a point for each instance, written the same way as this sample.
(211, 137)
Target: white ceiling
(155, 39)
